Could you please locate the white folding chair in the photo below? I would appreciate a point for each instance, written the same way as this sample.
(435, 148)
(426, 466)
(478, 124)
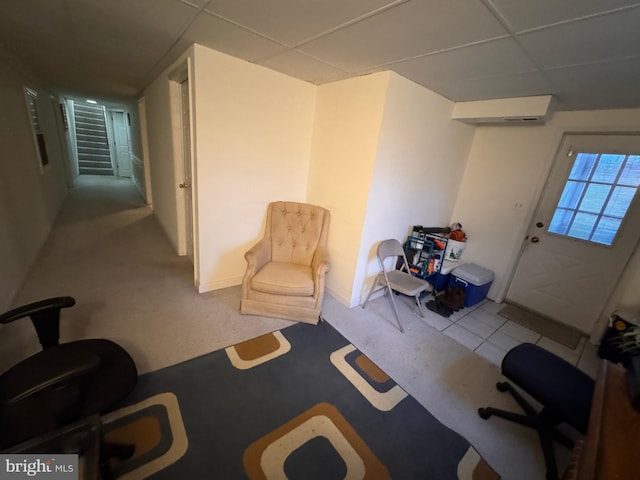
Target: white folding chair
(397, 280)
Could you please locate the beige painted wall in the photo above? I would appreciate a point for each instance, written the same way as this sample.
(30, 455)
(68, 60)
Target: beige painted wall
(252, 146)
(419, 164)
(29, 198)
(345, 141)
(508, 166)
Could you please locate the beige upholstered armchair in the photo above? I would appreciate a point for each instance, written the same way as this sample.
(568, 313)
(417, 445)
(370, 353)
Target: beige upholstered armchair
(286, 269)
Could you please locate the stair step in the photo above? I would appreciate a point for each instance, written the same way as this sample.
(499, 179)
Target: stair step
(95, 171)
(94, 164)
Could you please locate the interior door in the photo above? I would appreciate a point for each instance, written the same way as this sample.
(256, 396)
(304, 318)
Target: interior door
(186, 167)
(586, 227)
(121, 147)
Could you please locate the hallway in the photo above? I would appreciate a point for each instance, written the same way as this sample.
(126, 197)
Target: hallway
(108, 251)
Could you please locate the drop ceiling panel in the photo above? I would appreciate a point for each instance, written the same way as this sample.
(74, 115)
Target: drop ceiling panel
(303, 66)
(213, 32)
(151, 24)
(292, 21)
(405, 31)
(527, 14)
(521, 85)
(594, 39)
(498, 57)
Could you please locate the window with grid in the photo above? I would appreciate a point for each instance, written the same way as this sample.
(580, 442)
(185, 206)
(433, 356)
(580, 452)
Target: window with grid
(596, 196)
(38, 135)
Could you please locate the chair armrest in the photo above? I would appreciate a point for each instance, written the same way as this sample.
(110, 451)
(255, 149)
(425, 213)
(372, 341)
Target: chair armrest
(258, 256)
(45, 316)
(320, 263)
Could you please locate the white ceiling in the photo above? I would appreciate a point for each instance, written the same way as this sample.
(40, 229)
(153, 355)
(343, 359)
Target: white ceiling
(584, 52)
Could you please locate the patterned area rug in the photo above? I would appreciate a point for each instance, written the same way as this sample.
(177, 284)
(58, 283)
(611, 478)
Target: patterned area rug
(301, 403)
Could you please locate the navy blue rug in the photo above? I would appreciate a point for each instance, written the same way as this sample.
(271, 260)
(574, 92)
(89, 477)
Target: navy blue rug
(301, 403)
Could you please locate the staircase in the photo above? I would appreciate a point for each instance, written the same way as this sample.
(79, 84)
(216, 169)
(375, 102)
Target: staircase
(91, 137)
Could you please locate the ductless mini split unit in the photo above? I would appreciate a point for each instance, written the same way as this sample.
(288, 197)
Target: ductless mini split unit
(520, 110)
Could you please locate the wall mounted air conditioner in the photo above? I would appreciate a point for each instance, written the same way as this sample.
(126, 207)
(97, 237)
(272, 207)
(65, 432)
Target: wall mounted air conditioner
(518, 110)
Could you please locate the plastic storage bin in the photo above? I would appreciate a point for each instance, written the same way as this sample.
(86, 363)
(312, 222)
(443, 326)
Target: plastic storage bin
(475, 280)
(441, 279)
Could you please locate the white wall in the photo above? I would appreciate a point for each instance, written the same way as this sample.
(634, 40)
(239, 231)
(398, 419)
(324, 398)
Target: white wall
(252, 146)
(29, 198)
(345, 141)
(386, 156)
(508, 165)
(419, 164)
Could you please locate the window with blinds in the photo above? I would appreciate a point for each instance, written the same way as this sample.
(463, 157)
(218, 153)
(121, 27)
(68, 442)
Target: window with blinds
(38, 135)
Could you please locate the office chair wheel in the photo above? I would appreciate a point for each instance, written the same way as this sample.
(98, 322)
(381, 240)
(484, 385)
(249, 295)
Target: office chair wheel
(483, 413)
(502, 386)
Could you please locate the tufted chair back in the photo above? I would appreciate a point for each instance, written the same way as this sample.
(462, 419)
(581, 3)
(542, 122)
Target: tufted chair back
(296, 230)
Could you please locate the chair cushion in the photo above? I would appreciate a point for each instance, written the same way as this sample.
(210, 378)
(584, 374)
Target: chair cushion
(559, 386)
(284, 279)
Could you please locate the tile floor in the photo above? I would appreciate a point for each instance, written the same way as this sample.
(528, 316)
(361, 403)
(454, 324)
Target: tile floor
(482, 330)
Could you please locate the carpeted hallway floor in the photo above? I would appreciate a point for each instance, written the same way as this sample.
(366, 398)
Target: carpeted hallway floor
(108, 251)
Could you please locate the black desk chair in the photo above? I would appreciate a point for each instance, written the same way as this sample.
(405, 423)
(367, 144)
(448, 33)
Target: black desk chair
(62, 384)
(564, 391)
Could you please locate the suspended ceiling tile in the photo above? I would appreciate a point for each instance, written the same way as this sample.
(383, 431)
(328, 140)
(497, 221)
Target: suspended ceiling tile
(152, 24)
(612, 76)
(302, 66)
(213, 32)
(498, 57)
(405, 31)
(526, 14)
(605, 37)
(520, 85)
(292, 21)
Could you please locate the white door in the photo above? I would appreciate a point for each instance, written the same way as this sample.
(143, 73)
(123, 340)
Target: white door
(120, 140)
(186, 167)
(585, 229)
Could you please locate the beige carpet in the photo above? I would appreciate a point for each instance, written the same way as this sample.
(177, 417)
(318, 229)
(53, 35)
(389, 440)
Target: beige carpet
(547, 327)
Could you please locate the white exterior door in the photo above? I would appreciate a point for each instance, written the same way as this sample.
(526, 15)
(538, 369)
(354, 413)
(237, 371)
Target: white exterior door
(585, 229)
(120, 138)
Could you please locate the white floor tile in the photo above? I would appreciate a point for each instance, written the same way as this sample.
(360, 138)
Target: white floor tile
(503, 341)
(463, 336)
(436, 321)
(492, 307)
(481, 323)
(589, 362)
(519, 332)
(491, 352)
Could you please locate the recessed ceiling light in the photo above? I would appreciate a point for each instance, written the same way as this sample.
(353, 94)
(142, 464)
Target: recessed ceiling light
(92, 101)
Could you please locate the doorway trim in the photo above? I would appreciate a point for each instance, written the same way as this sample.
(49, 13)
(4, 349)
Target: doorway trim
(179, 75)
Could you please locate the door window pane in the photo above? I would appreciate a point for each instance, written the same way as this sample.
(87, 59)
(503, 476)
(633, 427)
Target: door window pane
(571, 194)
(608, 168)
(596, 197)
(583, 165)
(582, 225)
(631, 172)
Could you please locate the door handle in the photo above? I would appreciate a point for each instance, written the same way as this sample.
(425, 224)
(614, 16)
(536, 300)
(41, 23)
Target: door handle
(534, 240)
(184, 185)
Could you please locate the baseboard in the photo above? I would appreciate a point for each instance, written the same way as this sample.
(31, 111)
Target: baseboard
(217, 285)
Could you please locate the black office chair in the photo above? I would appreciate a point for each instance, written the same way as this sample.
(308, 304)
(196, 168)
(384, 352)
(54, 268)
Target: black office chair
(63, 383)
(564, 391)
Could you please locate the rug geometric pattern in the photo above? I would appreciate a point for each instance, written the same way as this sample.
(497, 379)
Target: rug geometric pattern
(301, 403)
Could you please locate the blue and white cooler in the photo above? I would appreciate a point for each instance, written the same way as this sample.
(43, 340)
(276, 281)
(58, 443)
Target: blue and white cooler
(475, 280)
